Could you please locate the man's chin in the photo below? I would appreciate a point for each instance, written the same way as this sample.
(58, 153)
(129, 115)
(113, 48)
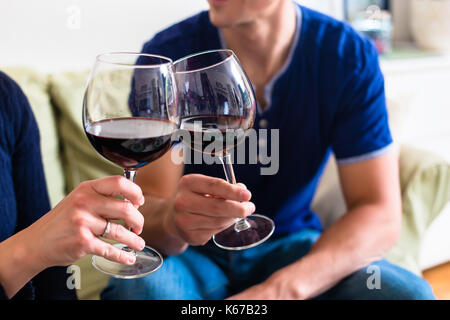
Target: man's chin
(220, 21)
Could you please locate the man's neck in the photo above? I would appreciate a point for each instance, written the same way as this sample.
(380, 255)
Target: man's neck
(265, 42)
(267, 39)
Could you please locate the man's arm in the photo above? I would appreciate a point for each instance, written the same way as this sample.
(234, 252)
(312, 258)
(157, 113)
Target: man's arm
(159, 181)
(363, 235)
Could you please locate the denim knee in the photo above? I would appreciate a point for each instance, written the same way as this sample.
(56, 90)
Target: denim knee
(189, 276)
(156, 286)
(381, 280)
(402, 284)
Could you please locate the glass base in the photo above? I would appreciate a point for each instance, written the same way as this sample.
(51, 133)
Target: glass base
(147, 261)
(261, 228)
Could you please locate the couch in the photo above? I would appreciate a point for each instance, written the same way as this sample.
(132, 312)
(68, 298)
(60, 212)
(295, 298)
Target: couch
(68, 159)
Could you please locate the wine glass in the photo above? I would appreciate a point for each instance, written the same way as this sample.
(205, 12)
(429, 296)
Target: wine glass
(129, 116)
(218, 107)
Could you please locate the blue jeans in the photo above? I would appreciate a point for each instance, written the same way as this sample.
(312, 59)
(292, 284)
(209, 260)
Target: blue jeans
(209, 272)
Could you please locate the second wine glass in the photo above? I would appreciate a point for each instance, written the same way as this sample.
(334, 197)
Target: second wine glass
(218, 109)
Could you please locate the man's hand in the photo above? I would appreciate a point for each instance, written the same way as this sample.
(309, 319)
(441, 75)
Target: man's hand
(204, 206)
(276, 287)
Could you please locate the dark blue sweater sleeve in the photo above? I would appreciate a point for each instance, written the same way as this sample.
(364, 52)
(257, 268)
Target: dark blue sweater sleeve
(2, 294)
(29, 184)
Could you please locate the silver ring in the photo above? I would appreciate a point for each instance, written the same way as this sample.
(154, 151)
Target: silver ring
(107, 229)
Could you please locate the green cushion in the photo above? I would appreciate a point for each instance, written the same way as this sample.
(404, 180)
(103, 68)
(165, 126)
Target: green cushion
(425, 181)
(81, 160)
(34, 85)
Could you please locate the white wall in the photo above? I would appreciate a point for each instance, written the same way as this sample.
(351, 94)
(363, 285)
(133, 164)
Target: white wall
(67, 34)
(331, 7)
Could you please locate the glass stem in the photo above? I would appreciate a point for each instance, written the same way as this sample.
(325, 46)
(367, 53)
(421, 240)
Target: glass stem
(241, 224)
(130, 174)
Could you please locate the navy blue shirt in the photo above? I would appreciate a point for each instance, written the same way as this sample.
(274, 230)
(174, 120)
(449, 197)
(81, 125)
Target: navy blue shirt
(328, 97)
(23, 192)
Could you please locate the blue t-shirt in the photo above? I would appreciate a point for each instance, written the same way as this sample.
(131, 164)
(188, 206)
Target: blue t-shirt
(328, 97)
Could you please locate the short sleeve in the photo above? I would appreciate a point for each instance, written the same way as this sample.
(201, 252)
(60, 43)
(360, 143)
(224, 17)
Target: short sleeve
(361, 130)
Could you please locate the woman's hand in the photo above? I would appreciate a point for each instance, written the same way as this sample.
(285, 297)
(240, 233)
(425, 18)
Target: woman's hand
(204, 206)
(71, 230)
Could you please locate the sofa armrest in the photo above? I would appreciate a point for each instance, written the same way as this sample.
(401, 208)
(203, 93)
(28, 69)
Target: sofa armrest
(425, 186)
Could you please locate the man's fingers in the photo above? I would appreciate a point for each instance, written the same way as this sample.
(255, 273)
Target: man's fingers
(118, 185)
(215, 186)
(193, 222)
(108, 251)
(212, 207)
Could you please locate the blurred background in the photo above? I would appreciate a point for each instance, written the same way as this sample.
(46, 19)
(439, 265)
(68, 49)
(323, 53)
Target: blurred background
(412, 36)
(66, 34)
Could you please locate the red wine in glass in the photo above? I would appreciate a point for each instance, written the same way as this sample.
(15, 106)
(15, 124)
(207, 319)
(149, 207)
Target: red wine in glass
(131, 142)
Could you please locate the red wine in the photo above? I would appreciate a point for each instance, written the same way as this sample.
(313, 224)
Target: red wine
(222, 131)
(131, 142)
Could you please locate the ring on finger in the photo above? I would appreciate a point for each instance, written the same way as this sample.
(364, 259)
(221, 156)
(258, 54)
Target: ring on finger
(107, 229)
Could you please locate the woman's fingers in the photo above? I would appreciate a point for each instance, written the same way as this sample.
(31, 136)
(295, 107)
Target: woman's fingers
(117, 232)
(117, 185)
(115, 209)
(120, 234)
(108, 251)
